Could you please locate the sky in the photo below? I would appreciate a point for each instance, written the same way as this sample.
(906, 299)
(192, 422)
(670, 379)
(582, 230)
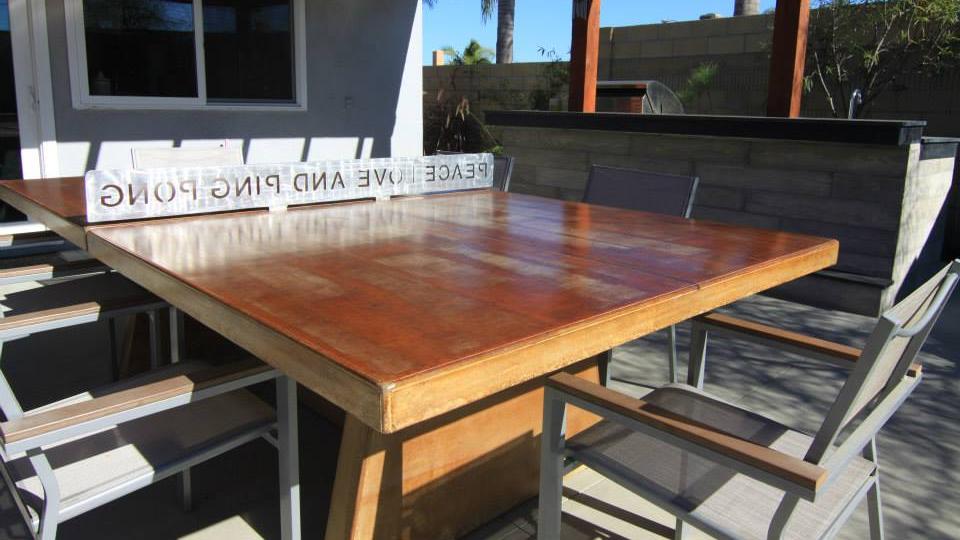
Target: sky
(546, 23)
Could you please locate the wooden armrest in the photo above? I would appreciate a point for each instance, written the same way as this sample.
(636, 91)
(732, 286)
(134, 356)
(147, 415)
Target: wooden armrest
(793, 341)
(799, 342)
(111, 407)
(50, 270)
(805, 475)
(30, 238)
(42, 320)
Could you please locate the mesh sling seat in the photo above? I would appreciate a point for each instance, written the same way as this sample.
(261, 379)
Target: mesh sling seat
(645, 191)
(736, 474)
(74, 455)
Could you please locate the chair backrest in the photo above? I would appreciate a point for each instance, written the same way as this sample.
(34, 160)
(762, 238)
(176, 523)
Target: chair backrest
(502, 169)
(890, 351)
(646, 191)
(156, 158)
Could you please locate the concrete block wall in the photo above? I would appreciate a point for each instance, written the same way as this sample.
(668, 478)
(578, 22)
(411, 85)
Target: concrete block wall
(879, 201)
(488, 86)
(668, 52)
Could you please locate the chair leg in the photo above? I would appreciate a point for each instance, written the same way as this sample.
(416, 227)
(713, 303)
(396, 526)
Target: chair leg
(287, 437)
(698, 355)
(672, 352)
(186, 490)
(874, 507)
(114, 349)
(551, 466)
(603, 366)
(154, 339)
(176, 335)
(679, 531)
(50, 513)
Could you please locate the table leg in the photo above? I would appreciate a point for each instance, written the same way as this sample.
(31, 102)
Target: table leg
(367, 491)
(447, 476)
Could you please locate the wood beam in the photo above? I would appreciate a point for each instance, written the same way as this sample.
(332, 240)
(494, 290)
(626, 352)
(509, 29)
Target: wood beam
(789, 53)
(584, 50)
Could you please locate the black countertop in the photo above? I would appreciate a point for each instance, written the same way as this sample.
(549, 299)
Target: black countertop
(886, 132)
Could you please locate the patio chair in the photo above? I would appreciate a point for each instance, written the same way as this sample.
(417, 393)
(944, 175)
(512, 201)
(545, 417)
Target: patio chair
(502, 169)
(15, 244)
(157, 158)
(703, 326)
(645, 191)
(66, 458)
(24, 241)
(733, 473)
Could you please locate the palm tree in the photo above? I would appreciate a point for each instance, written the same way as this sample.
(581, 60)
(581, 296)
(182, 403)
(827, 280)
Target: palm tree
(505, 12)
(472, 54)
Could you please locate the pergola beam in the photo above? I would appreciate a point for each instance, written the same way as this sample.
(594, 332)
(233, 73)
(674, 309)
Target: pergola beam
(584, 53)
(788, 56)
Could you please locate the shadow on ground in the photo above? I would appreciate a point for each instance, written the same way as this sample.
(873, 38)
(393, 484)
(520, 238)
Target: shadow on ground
(235, 496)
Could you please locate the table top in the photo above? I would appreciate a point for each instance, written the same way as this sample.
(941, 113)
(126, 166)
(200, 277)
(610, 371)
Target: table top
(403, 310)
(58, 203)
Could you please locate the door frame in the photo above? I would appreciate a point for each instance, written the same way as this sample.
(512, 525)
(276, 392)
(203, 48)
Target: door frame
(34, 89)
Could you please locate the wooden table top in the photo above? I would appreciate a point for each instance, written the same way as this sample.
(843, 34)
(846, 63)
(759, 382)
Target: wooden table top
(58, 203)
(403, 310)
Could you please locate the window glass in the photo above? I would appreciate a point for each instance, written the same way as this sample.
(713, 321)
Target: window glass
(8, 97)
(140, 48)
(249, 50)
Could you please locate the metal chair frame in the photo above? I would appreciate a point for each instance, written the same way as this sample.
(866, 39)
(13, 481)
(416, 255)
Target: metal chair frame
(607, 356)
(856, 405)
(51, 513)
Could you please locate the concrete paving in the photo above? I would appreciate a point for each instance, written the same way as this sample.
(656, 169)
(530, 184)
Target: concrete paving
(235, 495)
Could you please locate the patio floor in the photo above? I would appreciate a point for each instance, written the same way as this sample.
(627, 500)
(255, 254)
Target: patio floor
(235, 495)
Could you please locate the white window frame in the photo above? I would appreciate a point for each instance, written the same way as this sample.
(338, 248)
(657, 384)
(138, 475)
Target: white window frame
(80, 84)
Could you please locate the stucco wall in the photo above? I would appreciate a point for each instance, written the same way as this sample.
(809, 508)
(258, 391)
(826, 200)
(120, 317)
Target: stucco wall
(364, 87)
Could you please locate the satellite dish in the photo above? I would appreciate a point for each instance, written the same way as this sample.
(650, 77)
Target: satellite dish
(660, 99)
(646, 97)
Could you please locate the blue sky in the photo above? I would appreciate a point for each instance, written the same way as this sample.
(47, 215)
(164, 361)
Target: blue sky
(546, 23)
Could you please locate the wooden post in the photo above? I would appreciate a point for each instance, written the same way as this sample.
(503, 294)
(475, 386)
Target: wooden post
(584, 50)
(788, 57)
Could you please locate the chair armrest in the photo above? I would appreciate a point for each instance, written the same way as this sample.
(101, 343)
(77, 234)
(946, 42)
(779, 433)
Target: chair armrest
(85, 417)
(29, 238)
(49, 271)
(50, 319)
(805, 477)
(785, 339)
(778, 337)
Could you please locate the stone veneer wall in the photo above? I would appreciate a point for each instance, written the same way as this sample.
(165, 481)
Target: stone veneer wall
(879, 201)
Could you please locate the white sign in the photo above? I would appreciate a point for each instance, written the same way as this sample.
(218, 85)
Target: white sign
(146, 193)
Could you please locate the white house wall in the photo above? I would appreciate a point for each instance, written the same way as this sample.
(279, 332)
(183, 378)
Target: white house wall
(364, 87)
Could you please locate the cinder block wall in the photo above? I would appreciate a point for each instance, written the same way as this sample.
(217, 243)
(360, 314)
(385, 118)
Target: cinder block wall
(855, 193)
(668, 52)
(487, 86)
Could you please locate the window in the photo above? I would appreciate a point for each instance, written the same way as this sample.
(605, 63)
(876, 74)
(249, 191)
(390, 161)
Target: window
(186, 53)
